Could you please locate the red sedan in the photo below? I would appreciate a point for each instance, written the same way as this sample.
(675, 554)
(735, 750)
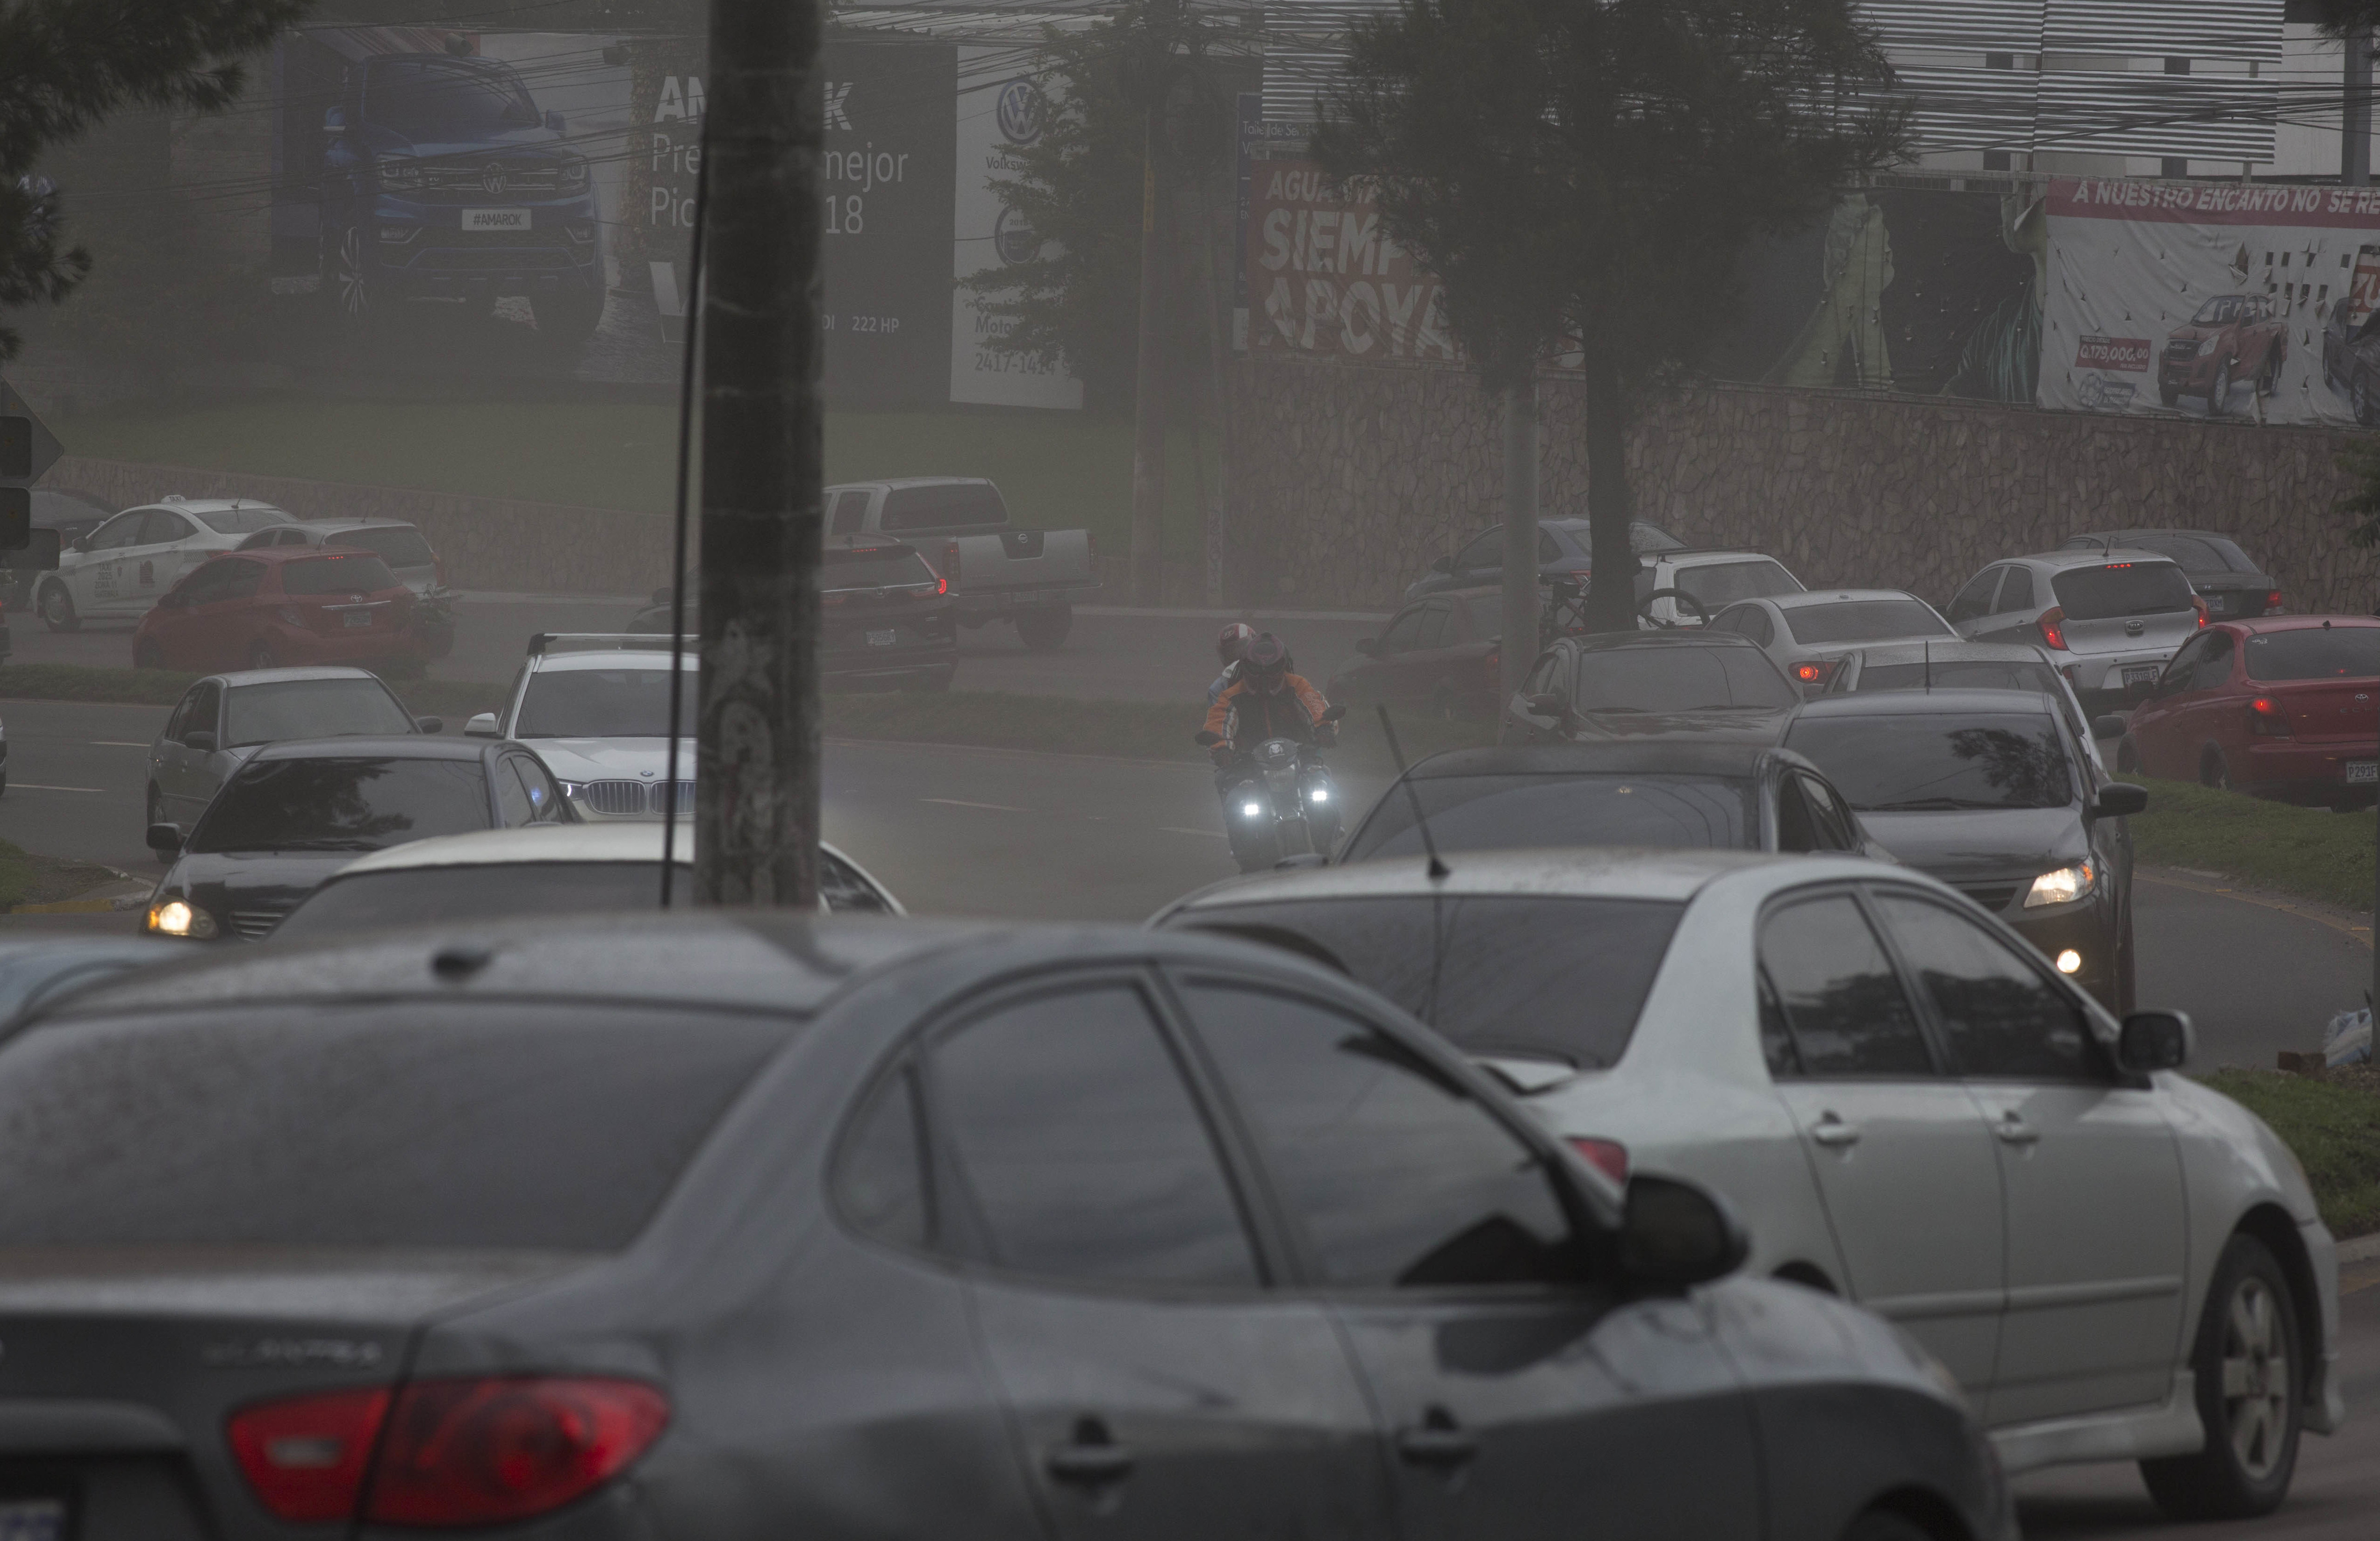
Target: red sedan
(288, 606)
(2285, 706)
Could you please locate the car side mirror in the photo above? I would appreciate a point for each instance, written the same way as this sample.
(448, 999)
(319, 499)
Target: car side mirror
(1335, 713)
(429, 724)
(2156, 1040)
(2109, 726)
(1677, 1234)
(201, 740)
(553, 123)
(1443, 565)
(81, 543)
(166, 839)
(481, 726)
(1546, 703)
(2118, 799)
(1368, 646)
(335, 120)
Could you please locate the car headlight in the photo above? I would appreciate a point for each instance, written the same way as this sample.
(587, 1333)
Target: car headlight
(574, 790)
(2206, 346)
(400, 172)
(2061, 887)
(572, 174)
(179, 918)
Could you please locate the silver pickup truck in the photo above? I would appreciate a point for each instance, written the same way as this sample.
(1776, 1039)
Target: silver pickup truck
(960, 524)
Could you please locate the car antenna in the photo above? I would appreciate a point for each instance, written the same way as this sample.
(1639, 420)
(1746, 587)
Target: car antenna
(1929, 664)
(1438, 869)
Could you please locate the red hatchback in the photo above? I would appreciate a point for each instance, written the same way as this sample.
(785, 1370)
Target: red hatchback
(282, 608)
(2283, 706)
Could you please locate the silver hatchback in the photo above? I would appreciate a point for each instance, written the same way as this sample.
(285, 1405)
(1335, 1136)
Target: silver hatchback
(2109, 620)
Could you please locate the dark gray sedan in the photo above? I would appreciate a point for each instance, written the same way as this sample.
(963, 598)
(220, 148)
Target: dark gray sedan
(758, 1227)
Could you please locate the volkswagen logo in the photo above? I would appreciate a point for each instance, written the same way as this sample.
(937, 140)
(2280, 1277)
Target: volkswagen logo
(1024, 112)
(492, 179)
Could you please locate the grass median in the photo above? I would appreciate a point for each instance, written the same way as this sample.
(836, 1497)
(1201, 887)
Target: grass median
(2333, 1124)
(2311, 852)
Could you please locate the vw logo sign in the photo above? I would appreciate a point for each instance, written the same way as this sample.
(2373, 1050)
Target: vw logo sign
(492, 179)
(1014, 239)
(1024, 111)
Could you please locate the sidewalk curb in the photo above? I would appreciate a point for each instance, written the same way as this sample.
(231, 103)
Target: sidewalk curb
(2320, 914)
(2361, 1249)
(130, 893)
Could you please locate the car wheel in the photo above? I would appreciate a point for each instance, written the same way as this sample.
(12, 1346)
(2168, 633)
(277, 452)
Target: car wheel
(263, 656)
(2218, 395)
(58, 609)
(1883, 1524)
(145, 655)
(2212, 772)
(2249, 1368)
(348, 280)
(1045, 630)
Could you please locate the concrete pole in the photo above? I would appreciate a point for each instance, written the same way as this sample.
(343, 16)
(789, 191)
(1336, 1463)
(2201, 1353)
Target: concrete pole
(2355, 123)
(1522, 601)
(1149, 402)
(763, 453)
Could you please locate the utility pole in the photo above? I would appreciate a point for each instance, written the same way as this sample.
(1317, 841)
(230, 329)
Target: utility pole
(2355, 116)
(1148, 405)
(764, 455)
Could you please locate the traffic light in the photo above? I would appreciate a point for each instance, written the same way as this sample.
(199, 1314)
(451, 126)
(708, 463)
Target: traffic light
(16, 518)
(15, 449)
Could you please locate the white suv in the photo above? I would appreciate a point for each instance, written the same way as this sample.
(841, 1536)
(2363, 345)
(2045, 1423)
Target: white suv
(595, 707)
(117, 571)
(1708, 580)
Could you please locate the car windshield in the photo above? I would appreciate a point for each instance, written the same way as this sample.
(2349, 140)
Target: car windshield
(310, 708)
(1862, 621)
(240, 521)
(1959, 673)
(874, 569)
(474, 890)
(397, 545)
(1690, 678)
(337, 573)
(1537, 977)
(421, 1126)
(1724, 583)
(2121, 589)
(1488, 813)
(436, 102)
(1911, 763)
(2218, 311)
(944, 506)
(602, 703)
(2315, 653)
(342, 805)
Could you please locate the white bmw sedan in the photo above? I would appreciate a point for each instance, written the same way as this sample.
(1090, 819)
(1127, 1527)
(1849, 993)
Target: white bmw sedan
(117, 571)
(1907, 1105)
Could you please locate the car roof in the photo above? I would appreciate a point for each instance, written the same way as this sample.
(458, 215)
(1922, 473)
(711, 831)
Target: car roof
(612, 657)
(1697, 556)
(291, 553)
(278, 676)
(1925, 703)
(2255, 623)
(1613, 641)
(420, 746)
(2062, 560)
(1635, 757)
(211, 505)
(1599, 872)
(2145, 529)
(356, 523)
(1948, 650)
(625, 840)
(1837, 595)
(914, 482)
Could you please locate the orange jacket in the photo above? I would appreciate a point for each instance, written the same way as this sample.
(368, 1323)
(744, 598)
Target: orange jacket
(1246, 715)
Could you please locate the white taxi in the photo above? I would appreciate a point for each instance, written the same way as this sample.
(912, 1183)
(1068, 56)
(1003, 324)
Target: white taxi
(117, 571)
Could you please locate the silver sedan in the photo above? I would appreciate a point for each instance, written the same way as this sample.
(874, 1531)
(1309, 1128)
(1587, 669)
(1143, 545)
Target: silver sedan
(1808, 635)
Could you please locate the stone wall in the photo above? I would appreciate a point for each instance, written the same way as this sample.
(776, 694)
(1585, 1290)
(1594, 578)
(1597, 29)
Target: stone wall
(505, 544)
(1352, 479)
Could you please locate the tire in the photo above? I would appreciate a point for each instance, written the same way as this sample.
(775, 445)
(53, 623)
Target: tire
(1883, 1524)
(2218, 395)
(262, 656)
(147, 655)
(1045, 630)
(565, 321)
(2249, 1363)
(348, 284)
(58, 609)
(2213, 772)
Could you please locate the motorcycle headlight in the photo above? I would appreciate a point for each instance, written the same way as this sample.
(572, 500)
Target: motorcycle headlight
(179, 918)
(1318, 794)
(401, 173)
(2061, 887)
(2206, 346)
(1250, 810)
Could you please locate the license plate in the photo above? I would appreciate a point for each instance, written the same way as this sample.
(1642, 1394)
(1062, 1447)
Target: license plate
(2363, 771)
(495, 219)
(2138, 676)
(33, 1520)
(881, 638)
(2217, 603)
(352, 618)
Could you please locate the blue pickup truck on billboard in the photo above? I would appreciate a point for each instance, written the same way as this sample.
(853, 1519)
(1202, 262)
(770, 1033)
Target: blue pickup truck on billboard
(441, 180)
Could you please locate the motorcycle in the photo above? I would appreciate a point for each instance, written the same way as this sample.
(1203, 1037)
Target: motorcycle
(1279, 800)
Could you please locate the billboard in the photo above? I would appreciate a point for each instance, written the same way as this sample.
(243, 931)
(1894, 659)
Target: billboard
(1324, 278)
(2213, 300)
(1001, 108)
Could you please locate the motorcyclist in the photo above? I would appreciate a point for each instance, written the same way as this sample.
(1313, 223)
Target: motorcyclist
(1231, 643)
(1265, 701)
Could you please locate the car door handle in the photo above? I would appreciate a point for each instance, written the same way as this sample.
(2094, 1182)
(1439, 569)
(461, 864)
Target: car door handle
(1093, 1459)
(1438, 1441)
(2013, 1130)
(1833, 1130)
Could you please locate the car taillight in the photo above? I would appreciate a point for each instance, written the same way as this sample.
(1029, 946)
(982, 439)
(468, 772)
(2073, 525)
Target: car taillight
(305, 1458)
(2200, 605)
(950, 561)
(454, 1453)
(1608, 1157)
(1813, 673)
(2273, 601)
(2265, 716)
(1494, 665)
(2053, 626)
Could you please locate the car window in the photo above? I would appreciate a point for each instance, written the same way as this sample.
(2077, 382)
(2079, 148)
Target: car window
(239, 580)
(1999, 1017)
(879, 1180)
(435, 101)
(850, 513)
(198, 589)
(512, 798)
(1433, 628)
(2233, 557)
(337, 573)
(205, 708)
(944, 507)
(2314, 653)
(555, 1128)
(291, 538)
(1397, 1178)
(1540, 677)
(269, 712)
(244, 520)
(1402, 631)
(2212, 671)
(1082, 1150)
(1681, 678)
(1843, 1001)
(1547, 549)
(2182, 667)
(1918, 763)
(160, 526)
(2016, 592)
(1836, 832)
(342, 805)
(545, 797)
(1759, 626)
(1975, 600)
(1720, 583)
(1797, 830)
(1529, 812)
(1959, 673)
(2194, 555)
(2121, 589)
(874, 568)
(602, 703)
(181, 713)
(122, 531)
(1485, 551)
(847, 890)
(397, 545)
(1543, 977)
(1862, 621)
